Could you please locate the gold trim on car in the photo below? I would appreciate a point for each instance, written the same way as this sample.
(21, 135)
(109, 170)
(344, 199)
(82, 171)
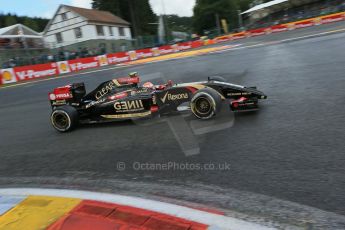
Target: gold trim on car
(129, 115)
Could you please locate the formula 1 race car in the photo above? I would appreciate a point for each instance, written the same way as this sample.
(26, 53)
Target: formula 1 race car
(123, 98)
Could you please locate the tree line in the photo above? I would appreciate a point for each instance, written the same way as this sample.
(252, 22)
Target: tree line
(38, 24)
(144, 21)
(140, 14)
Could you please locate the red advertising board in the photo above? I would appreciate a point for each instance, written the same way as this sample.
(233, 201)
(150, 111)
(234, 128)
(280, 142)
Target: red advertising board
(223, 39)
(257, 32)
(144, 53)
(278, 28)
(166, 50)
(83, 63)
(116, 58)
(23, 73)
(304, 24)
(184, 45)
(239, 36)
(196, 44)
(332, 18)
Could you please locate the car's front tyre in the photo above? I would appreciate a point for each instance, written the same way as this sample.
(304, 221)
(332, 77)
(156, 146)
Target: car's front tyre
(64, 118)
(206, 103)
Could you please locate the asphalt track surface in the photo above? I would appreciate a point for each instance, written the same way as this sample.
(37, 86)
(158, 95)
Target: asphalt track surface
(291, 150)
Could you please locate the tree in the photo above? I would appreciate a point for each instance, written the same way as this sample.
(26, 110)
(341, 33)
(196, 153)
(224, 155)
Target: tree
(205, 13)
(176, 23)
(138, 13)
(244, 5)
(10, 20)
(31, 23)
(37, 24)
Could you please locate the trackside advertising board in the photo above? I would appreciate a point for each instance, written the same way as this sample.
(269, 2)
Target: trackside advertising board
(17, 74)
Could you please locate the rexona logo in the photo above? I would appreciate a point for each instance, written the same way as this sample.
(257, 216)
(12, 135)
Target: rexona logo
(129, 106)
(174, 97)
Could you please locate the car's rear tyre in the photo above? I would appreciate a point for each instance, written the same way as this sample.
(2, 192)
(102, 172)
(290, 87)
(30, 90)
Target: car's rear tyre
(206, 103)
(64, 118)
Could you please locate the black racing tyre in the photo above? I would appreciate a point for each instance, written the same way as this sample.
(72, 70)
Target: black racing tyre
(64, 118)
(206, 103)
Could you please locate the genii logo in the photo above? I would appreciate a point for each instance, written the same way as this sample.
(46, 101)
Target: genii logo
(128, 106)
(8, 76)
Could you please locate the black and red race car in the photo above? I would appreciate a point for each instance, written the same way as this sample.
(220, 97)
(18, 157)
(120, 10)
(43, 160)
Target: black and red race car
(124, 98)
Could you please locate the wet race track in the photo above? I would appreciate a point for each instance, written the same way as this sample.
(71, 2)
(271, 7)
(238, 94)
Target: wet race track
(292, 149)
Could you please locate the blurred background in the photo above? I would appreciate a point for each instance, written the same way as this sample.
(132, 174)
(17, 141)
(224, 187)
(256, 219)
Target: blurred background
(26, 40)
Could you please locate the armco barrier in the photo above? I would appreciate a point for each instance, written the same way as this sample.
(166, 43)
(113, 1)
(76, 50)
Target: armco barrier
(24, 73)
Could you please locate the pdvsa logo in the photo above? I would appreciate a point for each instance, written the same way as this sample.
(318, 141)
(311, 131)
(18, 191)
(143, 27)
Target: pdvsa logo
(8, 76)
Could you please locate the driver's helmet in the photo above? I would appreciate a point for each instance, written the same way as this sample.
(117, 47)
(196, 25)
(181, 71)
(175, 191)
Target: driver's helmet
(148, 85)
(133, 74)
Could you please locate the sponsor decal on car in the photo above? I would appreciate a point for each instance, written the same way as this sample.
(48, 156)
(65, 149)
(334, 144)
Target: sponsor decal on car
(135, 92)
(239, 94)
(59, 102)
(95, 103)
(130, 115)
(60, 96)
(105, 90)
(129, 106)
(173, 97)
(118, 96)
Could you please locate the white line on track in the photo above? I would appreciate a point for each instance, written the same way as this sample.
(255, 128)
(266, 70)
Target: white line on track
(214, 221)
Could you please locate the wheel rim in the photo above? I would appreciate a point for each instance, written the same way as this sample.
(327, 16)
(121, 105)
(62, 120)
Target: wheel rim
(203, 105)
(61, 120)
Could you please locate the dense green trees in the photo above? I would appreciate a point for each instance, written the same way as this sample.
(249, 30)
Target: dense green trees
(138, 13)
(205, 12)
(181, 24)
(36, 24)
